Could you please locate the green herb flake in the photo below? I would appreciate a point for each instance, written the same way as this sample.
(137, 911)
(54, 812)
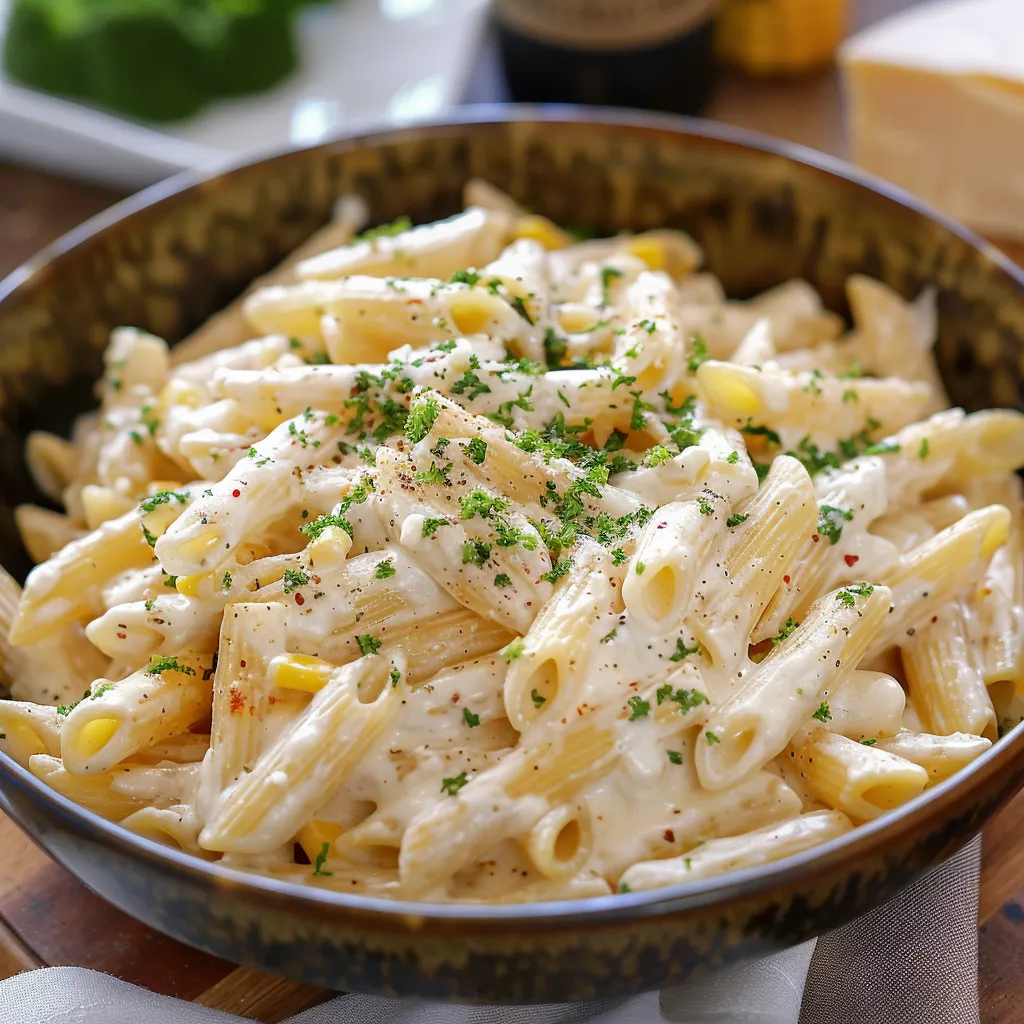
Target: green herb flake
(385, 569)
(293, 579)
(824, 713)
(830, 522)
(675, 756)
(698, 353)
(470, 719)
(452, 786)
(321, 858)
(368, 644)
(159, 664)
(639, 708)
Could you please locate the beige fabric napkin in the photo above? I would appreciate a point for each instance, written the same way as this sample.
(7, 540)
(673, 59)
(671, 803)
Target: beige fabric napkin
(913, 960)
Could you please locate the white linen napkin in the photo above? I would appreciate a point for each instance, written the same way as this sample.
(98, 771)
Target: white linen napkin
(913, 960)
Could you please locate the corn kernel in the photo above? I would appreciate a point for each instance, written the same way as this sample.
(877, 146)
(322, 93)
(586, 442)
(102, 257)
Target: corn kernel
(300, 672)
(95, 735)
(650, 250)
(189, 585)
(470, 314)
(542, 230)
(331, 548)
(311, 837)
(725, 390)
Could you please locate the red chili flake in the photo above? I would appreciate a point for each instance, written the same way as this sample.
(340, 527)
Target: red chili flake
(299, 599)
(670, 836)
(122, 636)
(785, 579)
(851, 560)
(236, 493)
(815, 538)
(242, 663)
(237, 701)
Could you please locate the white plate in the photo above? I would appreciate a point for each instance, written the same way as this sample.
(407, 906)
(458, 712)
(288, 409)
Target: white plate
(361, 61)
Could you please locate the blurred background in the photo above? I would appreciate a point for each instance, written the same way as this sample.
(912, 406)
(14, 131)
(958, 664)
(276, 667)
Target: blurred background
(101, 97)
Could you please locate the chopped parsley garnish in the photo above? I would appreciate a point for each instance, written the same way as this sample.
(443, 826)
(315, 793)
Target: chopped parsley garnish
(609, 636)
(161, 498)
(537, 699)
(787, 628)
(618, 556)
(637, 420)
(470, 719)
(704, 506)
(479, 503)
(711, 738)
(452, 786)
(760, 431)
(300, 435)
(368, 644)
(648, 325)
(869, 743)
(321, 857)
(158, 665)
(851, 395)
(515, 649)
(558, 570)
(431, 526)
(385, 569)
(733, 458)
(640, 567)
(555, 349)
(922, 452)
(171, 582)
(475, 552)
(675, 756)
(151, 538)
(824, 713)
(882, 447)
(736, 519)
(686, 699)
(150, 602)
(469, 277)
(396, 227)
(847, 595)
(520, 307)
(435, 475)
(293, 579)
(638, 707)
(314, 529)
(682, 650)
(421, 419)
(471, 385)
(830, 522)
(394, 676)
(476, 449)
(657, 455)
(608, 274)
(503, 580)
(225, 583)
(698, 353)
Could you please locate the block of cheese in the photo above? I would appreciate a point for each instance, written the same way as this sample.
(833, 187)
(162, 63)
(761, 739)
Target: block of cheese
(936, 104)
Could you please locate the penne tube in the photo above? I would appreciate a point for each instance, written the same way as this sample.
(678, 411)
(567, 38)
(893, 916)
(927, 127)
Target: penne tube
(927, 577)
(759, 548)
(308, 761)
(809, 403)
(793, 683)
(672, 550)
(229, 327)
(561, 842)
(861, 781)
(120, 718)
(945, 677)
(27, 729)
(43, 531)
(93, 792)
(719, 856)
(940, 756)
(469, 239)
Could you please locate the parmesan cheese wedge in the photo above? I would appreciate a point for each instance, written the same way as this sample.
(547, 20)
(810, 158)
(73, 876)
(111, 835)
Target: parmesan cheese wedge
(936, 105)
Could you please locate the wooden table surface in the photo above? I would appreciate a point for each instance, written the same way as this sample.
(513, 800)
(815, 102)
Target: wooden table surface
(48, 918)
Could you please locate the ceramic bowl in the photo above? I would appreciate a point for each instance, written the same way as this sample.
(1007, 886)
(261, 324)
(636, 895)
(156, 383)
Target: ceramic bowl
(764, 212)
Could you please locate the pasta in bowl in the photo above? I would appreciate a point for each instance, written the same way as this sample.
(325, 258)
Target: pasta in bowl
(473, 562)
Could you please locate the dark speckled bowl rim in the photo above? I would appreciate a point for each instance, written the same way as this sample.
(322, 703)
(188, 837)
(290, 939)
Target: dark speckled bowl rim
(938, 801)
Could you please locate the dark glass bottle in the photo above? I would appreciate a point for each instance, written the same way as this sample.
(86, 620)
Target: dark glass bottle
(651, 54)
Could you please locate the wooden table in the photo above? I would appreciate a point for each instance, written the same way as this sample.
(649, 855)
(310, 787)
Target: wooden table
(48, 918)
